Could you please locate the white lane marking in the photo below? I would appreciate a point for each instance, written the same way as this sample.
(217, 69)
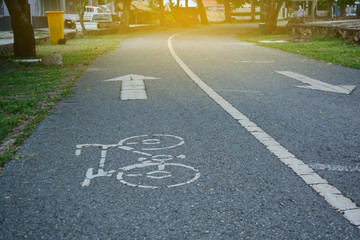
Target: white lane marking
(339, 168)
(132, 87)
(332, 195)
(318, 85)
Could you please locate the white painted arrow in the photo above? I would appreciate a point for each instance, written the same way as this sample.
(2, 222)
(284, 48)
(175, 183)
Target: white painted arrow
(318, 85)
(132, 87)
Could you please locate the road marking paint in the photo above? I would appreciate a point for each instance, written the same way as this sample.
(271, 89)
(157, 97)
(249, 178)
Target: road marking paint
(147, 165)
(339, 168)
(332, 195)
(144, 139)
(123, 174)
(318, 85)
(132, 87)
(134, 94)
(103, 158)
(77, 152)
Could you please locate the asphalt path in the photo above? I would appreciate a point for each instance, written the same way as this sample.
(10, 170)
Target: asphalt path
(177, 165)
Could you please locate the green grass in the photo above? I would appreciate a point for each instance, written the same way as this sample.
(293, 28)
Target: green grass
(28, 91)
(331, 50)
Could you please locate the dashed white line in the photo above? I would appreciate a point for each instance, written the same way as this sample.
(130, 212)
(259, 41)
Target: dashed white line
(331, 194)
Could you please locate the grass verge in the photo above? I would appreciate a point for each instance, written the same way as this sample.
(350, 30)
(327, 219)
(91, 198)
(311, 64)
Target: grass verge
(28, 91)
(326, 49)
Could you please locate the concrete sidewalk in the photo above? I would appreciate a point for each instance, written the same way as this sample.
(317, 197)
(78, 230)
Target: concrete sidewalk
(7, 37)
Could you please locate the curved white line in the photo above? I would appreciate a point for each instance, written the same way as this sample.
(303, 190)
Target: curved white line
(331, 194)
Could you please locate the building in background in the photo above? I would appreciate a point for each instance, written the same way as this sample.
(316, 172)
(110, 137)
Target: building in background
(38, 10)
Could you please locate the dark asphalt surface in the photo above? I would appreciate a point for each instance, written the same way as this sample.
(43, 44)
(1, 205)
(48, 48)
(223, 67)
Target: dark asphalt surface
(243, 192)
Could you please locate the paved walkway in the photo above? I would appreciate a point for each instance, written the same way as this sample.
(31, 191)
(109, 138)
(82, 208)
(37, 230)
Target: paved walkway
(220, 147)
(6, 37)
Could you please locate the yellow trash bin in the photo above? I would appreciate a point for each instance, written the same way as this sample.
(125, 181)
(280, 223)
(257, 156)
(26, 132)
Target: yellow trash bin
(56, 25)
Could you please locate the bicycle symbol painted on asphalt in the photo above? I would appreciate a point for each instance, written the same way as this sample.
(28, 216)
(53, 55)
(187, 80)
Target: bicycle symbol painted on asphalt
(152, 171)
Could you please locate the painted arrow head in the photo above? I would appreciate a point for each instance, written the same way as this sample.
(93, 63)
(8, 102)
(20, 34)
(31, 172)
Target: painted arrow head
(316, 84)
(131, 77)
(132, 87)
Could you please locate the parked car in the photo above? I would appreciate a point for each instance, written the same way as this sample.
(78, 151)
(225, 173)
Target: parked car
(70, 19)
(101, 21)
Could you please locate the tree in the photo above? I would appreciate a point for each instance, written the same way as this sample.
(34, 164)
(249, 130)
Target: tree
(162, 13)
(202, 12)
(24, 40)
(272, 9)
(312, 9)
(125, 17)
(81, 10)
(227, 11)
(229, 5)
(254, 3)
(343, 4)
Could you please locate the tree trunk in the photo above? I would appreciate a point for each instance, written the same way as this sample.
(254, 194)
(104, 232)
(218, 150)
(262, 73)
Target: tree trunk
(343, 8)
(272, 10)
(269, 9)
(227, 11)
(313, 7)
(162, 13)
(125, 17)
(253, 8)
(81, 18)
(24, 40)
(202, 12)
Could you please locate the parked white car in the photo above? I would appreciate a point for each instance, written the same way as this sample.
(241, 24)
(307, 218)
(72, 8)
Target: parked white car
(70, 19)
(101, 21)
